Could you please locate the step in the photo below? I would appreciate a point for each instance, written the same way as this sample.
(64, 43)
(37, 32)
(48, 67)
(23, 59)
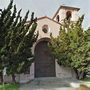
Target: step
(50, 82)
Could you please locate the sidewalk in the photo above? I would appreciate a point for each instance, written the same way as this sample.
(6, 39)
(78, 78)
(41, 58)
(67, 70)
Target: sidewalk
(49, 84)
(63, 88)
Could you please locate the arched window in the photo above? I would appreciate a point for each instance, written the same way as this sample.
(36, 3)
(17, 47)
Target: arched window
(68, 15)
(45, 28)
(57, 18)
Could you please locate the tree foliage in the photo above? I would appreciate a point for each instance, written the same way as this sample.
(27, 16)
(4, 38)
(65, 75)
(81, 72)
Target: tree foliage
(16, 40)
(71, 48)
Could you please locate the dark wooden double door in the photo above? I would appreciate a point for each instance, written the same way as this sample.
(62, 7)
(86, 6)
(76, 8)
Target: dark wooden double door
(44, 61)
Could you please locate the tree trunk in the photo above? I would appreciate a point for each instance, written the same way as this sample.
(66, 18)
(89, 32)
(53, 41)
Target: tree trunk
(13, 78)
(80, 75)
(77, 76)
(1, 77)
(84, 76)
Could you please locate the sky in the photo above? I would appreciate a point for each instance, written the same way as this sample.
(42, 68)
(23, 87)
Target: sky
(49, 7)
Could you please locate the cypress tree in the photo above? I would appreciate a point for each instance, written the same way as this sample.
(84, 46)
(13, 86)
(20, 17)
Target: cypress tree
(16, 40)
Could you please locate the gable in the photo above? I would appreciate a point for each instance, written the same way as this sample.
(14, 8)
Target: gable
(45, 17)
(53, 27)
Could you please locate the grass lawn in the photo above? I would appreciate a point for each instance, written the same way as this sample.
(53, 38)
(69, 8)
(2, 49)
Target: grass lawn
(10, 87)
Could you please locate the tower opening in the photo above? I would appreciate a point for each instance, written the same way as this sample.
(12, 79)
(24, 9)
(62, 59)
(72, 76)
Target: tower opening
(68, 15)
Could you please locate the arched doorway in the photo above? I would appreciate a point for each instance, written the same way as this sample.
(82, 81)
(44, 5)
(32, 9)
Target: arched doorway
(44, 61)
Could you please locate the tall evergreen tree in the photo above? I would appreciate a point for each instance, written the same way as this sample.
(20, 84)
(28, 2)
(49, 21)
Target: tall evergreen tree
(88, 42)
(71, 48)
(16, 40)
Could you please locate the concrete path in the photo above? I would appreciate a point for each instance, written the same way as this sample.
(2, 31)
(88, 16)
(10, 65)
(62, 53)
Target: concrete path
(49, 84)
(63, 88)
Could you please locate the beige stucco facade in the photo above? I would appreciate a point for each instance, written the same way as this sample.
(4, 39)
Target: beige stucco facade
(62, 13)
(54, 28)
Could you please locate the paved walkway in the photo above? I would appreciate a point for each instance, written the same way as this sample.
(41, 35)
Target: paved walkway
(49, 84)
(63, 88)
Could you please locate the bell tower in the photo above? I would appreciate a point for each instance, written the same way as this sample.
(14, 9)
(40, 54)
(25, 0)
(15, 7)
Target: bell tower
(66, 12)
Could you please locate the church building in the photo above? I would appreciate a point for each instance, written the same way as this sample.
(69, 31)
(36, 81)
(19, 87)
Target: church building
(45, 65)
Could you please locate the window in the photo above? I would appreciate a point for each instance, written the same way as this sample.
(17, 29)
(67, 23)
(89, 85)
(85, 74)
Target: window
(57, 18)
(68, 15)
(45, 28)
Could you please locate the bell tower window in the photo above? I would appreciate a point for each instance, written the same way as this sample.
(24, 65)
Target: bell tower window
(57, 18)
(68, 15)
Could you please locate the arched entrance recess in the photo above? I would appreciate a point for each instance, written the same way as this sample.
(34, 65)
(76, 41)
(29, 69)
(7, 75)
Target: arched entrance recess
(44, 61)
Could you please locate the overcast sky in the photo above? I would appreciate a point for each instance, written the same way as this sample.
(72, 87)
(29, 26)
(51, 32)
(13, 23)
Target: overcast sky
(49, 7)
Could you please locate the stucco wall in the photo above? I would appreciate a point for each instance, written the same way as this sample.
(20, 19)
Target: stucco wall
(54, 28)
(64, 72)
(61, 72)
(62, 15)
(27, 77)
(22, 78)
